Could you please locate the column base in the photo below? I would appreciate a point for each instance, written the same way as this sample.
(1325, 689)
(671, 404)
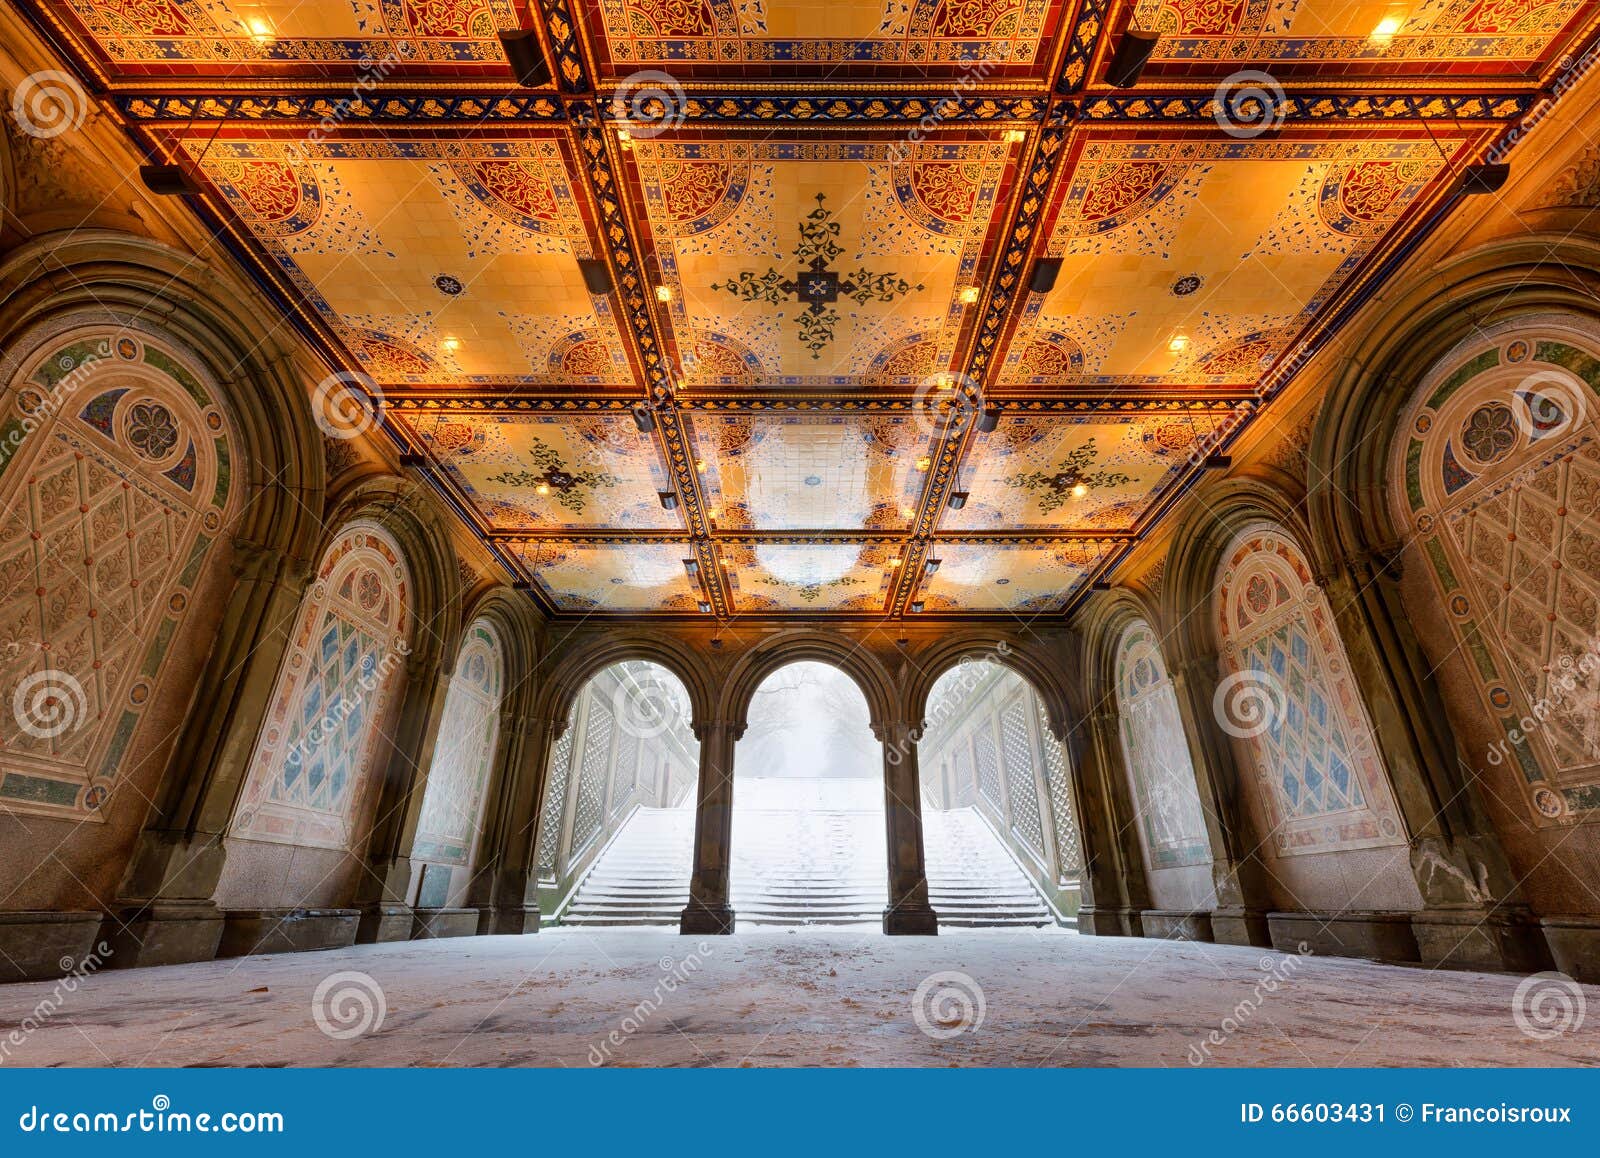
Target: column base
(1378, 936)
(1481, 941)
(700, 919)
(1574, 945)
(164, 933)
(1244, 927)
(39, 946)
(1094, 921)
(431, 923)
(1176, 925)
(381, 923)
(510, 922)
(251, 931)
(904, 922)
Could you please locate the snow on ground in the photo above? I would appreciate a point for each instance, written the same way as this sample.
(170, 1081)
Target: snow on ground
(805, 997)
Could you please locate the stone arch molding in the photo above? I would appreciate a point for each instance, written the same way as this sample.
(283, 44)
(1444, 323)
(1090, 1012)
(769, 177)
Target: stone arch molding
(1494, 476)
(574, 666)
(1044, 676)
(116, 482)
(753, 668)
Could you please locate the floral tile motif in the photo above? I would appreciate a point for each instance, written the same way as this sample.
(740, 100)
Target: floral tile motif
(808, 576)
(995, 575)
(435, 262)
(1240, 244)
(818, 262)
(536, 472)
(613, 576)
(1078, 472)
(811, 471)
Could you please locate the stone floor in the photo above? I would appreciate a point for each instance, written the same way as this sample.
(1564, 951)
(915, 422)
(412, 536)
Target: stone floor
(808, 997)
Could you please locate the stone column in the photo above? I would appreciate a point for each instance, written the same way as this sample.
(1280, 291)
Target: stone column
(1115, 892)
(708, 910)
(909, 912)
(506, 888)
(1475, 917)
(1237, 874)
(164, 912)
(382, 892)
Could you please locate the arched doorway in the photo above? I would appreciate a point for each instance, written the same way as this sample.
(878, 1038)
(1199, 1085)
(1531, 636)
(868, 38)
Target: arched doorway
(616, 829)
(999, 830)
(808, 844)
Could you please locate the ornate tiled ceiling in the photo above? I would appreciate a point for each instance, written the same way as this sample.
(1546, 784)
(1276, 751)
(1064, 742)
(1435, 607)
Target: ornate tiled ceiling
(819, 224)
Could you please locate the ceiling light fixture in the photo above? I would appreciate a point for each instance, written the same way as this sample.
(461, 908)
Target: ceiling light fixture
(669, 500)
(643, 419)
(1045, 272)
(988, 419)
(1384, 33)
(526, 58)
(260, 30)
(449, 344)
(1179, 343)
(932, 566)
(705, 608)
(958, 499)
(924, 462)
(596, 275)
(917, 606)
(691, 566)
(542, 489)
(1080, 491)
(1132, 54)
(1218, 461)
(968, 295)
(168, 181)
(907, 513)
(895, 562)
(1014, 136)
(1484, 178)
(663, 293)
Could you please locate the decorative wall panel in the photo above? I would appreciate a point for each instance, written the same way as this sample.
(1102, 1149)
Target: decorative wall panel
(1291, 698)
(114, 480)
(1497, 471)
(311, 772)
(593, 774)
(1069, 849)
(555, 801)
(463, 755)
(1020, 759)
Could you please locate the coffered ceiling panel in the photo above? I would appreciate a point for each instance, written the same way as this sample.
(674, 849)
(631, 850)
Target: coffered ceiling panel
(439, 262)
(1079, 472)
(781, 576)
(1197, 261)
(780, 470)
(1483, 39)
(539, 472)
(820, 262)
(616, 576)
(850, 39)
(153, 38)
(1024, 577)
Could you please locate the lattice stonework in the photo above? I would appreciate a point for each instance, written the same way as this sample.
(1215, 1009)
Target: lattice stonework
(987, 763)
(592, 775)
(1020, 784)
(1171, 823)
(311, 770)
(1291, 696)
(1497, 471)
(1069, 849)
(625, 780)
(555, 800)
(464, 752)
(114, 480)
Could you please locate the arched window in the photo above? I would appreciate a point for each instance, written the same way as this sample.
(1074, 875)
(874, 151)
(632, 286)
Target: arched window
(311, 769)
(463, 755)
(114, 480)
(1290, 694)
(1496, 470)
(1170, 821)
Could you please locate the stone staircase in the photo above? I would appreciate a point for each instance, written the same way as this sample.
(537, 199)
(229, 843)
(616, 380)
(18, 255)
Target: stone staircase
(805, 853)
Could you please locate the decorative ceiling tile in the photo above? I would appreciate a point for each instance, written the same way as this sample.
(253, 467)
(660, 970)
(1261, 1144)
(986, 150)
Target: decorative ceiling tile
(1078, 472)
(855, 39)
(809, 471)
(787, 576)
(539, 472)
(817, 262)
(1001, 575)
(385, 38)
(1292, 38)
(1189, 262)
(435, 262)
(612, 576)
